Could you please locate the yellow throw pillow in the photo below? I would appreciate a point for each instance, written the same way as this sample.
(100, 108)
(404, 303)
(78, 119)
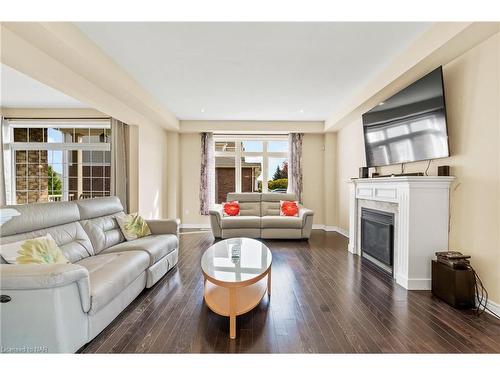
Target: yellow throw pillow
(40, 250)
(133, 226)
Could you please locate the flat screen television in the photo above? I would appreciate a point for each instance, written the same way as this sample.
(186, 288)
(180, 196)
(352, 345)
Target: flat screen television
(409, 126)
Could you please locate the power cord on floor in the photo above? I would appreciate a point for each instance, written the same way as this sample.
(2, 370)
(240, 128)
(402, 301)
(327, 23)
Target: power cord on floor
(481, 296)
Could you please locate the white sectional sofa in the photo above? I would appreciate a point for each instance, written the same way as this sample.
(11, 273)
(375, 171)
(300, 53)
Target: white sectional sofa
(260, 218)
(60, 307)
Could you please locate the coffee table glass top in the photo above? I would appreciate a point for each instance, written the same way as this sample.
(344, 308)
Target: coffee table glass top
(236, 260)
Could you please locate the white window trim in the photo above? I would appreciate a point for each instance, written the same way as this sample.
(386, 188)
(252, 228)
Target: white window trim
(12, 146)
(60, 123)
(238, 154)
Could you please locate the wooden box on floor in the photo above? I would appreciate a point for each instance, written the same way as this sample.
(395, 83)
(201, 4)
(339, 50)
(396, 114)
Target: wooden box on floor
(456, 287)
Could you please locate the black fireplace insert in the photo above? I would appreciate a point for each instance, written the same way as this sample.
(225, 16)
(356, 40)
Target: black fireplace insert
(377, 238)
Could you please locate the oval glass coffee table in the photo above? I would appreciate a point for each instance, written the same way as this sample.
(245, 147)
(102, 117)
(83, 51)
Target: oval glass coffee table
(237, 273)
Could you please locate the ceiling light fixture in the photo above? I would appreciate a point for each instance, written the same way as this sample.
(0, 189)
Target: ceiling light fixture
(202, 110)
(301, 111)
(381, 103)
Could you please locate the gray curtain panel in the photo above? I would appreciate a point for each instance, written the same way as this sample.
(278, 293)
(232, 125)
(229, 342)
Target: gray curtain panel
(295, 164)
(207, 175)
(119, 161)
(5, 165)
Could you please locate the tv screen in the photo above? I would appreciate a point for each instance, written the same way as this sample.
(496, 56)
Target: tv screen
(409, 126)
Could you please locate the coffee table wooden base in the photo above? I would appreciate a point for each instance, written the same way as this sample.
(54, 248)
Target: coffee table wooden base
(234, 301)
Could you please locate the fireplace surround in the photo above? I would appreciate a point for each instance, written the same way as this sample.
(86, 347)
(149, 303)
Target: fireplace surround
(420, 205)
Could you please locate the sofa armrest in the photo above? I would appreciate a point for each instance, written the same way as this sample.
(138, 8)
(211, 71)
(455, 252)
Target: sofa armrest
(304, 212)
(168, 226)
(307, 221)
(215, 214)
(45, 276)
(216, 211)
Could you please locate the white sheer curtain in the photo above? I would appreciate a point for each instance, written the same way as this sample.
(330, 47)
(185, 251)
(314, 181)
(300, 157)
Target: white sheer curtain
(119, 161)
(207, 173)
(295, 164)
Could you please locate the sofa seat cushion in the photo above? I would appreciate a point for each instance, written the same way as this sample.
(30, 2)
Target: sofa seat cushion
(237, 222)
(157, 246)
(110, 274)
(291, 222)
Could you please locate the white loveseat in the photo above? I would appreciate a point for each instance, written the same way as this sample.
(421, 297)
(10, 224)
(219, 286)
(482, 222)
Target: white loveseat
(60, 307)
(260, 218)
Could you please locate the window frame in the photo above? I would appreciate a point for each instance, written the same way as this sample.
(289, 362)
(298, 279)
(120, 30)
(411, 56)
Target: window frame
(238, 154)
(56, 146)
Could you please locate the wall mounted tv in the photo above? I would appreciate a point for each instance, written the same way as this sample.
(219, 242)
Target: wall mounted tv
(409, 126)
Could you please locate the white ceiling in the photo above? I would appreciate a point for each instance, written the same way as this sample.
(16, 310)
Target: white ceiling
(20, 91)
(253, 71)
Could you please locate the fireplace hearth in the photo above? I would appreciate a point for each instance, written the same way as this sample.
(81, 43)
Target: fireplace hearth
(377, 238)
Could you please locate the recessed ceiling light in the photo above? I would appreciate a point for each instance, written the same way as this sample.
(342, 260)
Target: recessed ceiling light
(301, 111)
(202, 110)
(381, 103)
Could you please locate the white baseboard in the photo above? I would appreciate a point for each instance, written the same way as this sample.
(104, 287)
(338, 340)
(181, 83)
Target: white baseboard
(195, 226)
(493, 306)
(413, 284)
(328, 228)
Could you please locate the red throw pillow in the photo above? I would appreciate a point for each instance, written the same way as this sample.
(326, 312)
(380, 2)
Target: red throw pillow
(231, 208)
(289, 208)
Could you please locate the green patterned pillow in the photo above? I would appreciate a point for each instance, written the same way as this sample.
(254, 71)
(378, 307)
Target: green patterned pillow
(40, 250)
(133, 226)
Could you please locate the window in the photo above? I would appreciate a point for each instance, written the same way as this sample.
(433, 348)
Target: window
(250, 164)
(56, 161)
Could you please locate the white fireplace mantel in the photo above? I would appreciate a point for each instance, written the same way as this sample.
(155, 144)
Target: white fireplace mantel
(421, 210)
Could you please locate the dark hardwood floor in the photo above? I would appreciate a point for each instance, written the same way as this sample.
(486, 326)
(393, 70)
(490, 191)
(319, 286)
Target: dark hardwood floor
(324, 300)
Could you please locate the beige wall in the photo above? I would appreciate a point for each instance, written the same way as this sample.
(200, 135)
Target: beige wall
(313, 148)
(350, 156)
(330, 184)
(314, 157)
(249, 127)
(173, 175)
(152, 172)
(472, 84)
(133, 168)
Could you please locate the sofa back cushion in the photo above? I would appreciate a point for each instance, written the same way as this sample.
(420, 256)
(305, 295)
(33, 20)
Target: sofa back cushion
(98, 207)
(270, 204)
(98, 220)
(60, 219)
(36, 216)
(71, 239)
(103, 232)
(249, 203)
